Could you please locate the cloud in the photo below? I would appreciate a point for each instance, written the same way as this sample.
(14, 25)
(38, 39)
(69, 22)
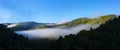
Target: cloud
(54, 33)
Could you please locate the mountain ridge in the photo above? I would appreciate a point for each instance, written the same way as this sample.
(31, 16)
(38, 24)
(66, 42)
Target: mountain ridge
(79, 21)
(105, 37)
(26, 25)
(94, 21)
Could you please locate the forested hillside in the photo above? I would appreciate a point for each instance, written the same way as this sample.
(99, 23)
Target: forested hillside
(106, 37)
(12, 41)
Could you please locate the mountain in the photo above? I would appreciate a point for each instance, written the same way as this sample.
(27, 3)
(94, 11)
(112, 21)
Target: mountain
(105, 37)
(93, 21)
(55, 31)
(80, 21)
(27, 25)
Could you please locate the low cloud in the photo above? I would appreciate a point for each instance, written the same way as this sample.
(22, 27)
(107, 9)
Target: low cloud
(54, 32)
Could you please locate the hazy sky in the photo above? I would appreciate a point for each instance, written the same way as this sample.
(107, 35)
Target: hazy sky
(55, 11)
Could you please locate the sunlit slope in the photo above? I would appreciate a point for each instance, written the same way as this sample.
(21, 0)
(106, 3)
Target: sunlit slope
(93, 21)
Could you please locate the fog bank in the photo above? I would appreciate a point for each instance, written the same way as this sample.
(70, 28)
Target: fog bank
(54, 32)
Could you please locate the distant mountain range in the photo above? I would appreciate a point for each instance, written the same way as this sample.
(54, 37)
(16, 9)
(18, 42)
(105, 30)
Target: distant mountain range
(34, 25)
(27, 25)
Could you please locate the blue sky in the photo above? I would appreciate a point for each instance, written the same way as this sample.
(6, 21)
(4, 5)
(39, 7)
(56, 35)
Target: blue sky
(55, 11)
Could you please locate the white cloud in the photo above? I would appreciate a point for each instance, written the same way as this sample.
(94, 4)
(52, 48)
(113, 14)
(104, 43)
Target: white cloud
(54, 32)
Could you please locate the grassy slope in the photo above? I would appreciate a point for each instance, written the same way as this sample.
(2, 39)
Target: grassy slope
(94, 21)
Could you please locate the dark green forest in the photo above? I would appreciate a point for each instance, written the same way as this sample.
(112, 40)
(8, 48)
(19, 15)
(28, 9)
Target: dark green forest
(12, 41)
(105, 37)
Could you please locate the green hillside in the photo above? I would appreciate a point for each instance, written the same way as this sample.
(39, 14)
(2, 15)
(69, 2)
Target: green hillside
(105, 37)
(94, 21)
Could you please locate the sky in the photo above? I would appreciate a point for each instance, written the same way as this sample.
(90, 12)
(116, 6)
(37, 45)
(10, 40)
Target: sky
(55, 11)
